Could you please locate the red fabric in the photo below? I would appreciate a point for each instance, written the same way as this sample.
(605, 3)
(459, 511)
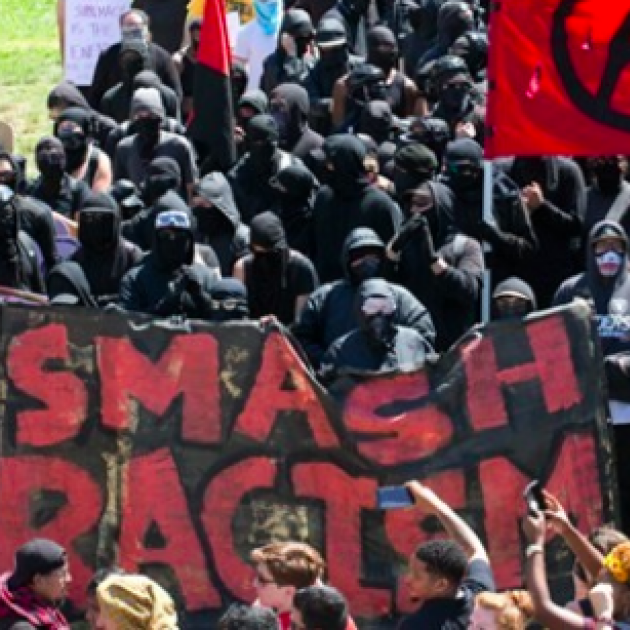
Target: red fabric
(24, 604)
(214, 43)
(548, 68)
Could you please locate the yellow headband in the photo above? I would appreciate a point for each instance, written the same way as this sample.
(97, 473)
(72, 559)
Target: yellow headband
(618, 563)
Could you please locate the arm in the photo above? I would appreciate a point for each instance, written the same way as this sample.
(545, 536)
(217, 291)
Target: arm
(411, 96)
(462, 280)
(300, 303)
(339, 95)
(103, 178)
(455, 526)
(239, 270)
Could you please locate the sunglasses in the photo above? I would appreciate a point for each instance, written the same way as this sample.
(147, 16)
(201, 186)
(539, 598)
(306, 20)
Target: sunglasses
(378, 306)
(173, 219)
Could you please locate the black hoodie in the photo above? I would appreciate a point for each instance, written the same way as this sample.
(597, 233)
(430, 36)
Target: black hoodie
(329, 312)
(220, 226)
(609, 297)
(347, 202)
(423, 36)
(454, 19)
(68, 286)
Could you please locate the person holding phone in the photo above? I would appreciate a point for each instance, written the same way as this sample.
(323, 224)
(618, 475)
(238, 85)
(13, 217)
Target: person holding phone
(445, 576)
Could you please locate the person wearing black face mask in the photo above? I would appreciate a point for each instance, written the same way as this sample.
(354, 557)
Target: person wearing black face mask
(292, 61)
(413, 165)
(19, 267)
(433, 133)
(61, 192)
(35, 217)
(378, 344)
(513, 299)
(346, 202)
(609, 194)
(185, 61)
(334, 62)
(377, 122)
(296, 187)
(84, 161)
(249, 105)
(136, 152)
(353, 15)
(168, 281)
(250, 176)
(229, 301)
(472, 47)
(219, 221)
(278, 279)
(290, 107)
(329, 312)
(423, 21)
(103, 256)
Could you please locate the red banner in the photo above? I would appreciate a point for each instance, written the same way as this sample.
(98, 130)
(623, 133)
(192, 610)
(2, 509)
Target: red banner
(559, 78)
(176, 450)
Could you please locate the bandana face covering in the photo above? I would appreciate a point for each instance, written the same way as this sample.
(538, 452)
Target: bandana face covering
(268, 15)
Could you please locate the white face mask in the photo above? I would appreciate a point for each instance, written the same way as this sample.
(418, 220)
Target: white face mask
(609, 263)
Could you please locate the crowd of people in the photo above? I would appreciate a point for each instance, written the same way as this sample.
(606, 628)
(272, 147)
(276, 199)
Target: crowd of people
(354, 215)
(449, 580)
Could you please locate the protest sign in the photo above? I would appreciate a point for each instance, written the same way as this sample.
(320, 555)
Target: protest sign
(176, 449)
(91, 26)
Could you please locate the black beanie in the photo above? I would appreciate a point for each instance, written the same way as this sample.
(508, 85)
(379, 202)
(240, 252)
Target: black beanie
(464, 149)
(262, 128)
(266, 231)
(416, 157)
(37, 557)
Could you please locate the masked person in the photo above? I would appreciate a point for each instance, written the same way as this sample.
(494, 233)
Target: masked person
(453, 20)
(58, 190)
(170, 100)
(185, 61)
(442, 267)
(377, 122)
(329, 312)
(608, 197)
(30, 596)
(509, 231)
(136, 152)
(167, 21)
(219, 221)
(84, 161)
(554, 194)
(423, 21)
(67, 285)
(513, 298)
(34, 217)
(158, 193)
(296, 193)
(414, 164)
(292, 60)
(258, 39)
(346, 202)
(250, 177)
(472, 47)
(353, 15)
(290, 107)
(239, 80)
(278, 279)
(433, 133)
(229, 301)
(103, 256)
(248, 106)
(334, 61)
(378, 344)
(134, 27)
(19, 265)
(168, 281)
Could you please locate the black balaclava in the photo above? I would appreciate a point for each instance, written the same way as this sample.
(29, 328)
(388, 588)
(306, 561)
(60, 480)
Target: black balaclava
(366, 83)
(269, 268)
(382, 49)
(75, 143)
(346, 155)
(173, 244)
(9, 227)
(147, 101)
(163, 174)
(295, 186)
(66, 94)
(463, 180)
(608, 175)
(332, 43)
(229, 301)
(376, 312)
(366, 250)
(255, 100)
(472, 47)
(414, 164)
(50, 158)
(99, 225)
(133, 59)
(433, 133)
(67, 285)
(238, 80)
(262, 143)
(454, 19)
(376, 121)
(522, 306)
(297, 23)
(290, 108)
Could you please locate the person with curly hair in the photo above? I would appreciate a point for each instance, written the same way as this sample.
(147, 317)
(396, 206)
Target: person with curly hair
(511, 610)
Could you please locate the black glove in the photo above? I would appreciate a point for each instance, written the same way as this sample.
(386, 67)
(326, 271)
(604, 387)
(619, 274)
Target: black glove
(193, 281)
(407, 231)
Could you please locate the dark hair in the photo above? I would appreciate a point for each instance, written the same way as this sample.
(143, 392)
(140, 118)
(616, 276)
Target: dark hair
(444, 558)
(141, 14)
(100, 576)
(322, 608)
(242, 617)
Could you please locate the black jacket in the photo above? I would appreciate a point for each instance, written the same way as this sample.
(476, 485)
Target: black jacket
(36, 220)
(279, 68)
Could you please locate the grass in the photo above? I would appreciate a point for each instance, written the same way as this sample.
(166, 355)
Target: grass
(30, 65)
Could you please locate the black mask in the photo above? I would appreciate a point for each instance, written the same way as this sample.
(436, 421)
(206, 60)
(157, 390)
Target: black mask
(332, 57)
(173, 248)
(283, 120)
(455, 98)
(302, 45)
(130, 68)
(75, 146)
(383, 59)
(380, 330)
(51, 165)
(268, 262)
(608, 176)
(210, 221)
(148, 130)
(512, 311)
(96, 231)
(369, 267)
(405, 181)
(157, 185)
(463, 179)
(261, 155)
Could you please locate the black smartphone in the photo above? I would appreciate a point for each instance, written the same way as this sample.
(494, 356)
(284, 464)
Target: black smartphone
(534, 497)
(393, 497)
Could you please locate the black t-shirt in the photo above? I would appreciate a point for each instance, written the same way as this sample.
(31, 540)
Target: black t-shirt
(453, 613)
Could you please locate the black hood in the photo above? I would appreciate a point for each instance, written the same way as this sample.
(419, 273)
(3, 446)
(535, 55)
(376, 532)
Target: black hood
(516, 286)
(473, 49)
(78, 115)
(358, 239)
(215, 188)
(346, 154)
(454, 19)
(372, 288)
(297, 23)
(66, 94)
(173, 202)
(256, 99)
(545, 170)
(376, 121)
(292, 99)
(67, 285)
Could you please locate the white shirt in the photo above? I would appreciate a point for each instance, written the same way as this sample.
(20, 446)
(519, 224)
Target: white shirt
(252, 48)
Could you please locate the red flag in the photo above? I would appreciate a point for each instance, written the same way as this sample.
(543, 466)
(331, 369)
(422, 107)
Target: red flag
(559, 78)
(212, 123)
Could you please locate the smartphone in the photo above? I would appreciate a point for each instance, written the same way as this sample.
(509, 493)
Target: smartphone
(534, 497)
(393, 497)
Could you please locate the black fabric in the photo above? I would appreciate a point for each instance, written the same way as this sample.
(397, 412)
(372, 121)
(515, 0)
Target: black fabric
(382, 48)
(598, 204)
(352, 15)
(167, 21)
(376, 121)
(473, 48)
(229, 304)
(330, 313)
(516, 286)
(128, 128)
(68, 286)
(453, 613)
(36, 557)
(163, 174)
(610, 297)
(220, 225)
(423, 36)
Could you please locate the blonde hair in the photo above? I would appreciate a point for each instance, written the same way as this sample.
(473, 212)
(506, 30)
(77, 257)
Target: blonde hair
(513, 609)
